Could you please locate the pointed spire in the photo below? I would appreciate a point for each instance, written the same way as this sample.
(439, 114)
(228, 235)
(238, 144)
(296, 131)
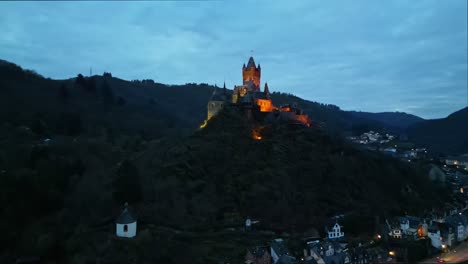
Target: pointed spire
(266, 90)
(214, 90)
(251, 63)
(258, 66)
(243, 66)
(224, 88)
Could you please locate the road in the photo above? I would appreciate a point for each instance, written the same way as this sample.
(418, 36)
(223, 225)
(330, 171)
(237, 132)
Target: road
(459, 254)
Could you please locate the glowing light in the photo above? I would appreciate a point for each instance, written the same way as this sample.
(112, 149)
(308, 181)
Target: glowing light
(444, 246)
(204, 124)
(391, 253)
(379, 237)
(256, 133)
(461, 190)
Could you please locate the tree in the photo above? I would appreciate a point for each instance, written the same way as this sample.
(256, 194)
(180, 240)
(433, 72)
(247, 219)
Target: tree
(91, 85)
(39, 127)
(80, 80)
(107, 93)
(127, 183)
(70, 124)
(121, 101)
(64, 94)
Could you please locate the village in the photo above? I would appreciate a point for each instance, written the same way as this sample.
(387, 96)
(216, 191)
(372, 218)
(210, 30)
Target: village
(397, 239)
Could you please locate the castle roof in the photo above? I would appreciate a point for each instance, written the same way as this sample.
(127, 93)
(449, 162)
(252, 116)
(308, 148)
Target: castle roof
(251, 63)
(217, 95)
(260, 95)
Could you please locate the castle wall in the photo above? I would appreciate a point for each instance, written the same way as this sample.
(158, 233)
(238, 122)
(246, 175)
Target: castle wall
(265, 105)
(214, 107)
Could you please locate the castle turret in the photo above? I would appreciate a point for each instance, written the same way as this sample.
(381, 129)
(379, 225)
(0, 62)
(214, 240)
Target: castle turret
(266, 91)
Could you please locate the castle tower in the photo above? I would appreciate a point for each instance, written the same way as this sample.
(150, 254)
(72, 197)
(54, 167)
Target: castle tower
(251, 75)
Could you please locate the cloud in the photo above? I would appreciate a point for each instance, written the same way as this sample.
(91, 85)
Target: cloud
(361, 55)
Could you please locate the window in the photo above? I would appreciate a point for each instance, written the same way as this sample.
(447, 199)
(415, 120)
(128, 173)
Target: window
(125, 228)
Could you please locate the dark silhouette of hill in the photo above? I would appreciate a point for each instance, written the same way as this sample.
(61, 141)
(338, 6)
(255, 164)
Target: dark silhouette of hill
(396, 121)
(149, 107)
(100, 104)
(288, 171)
(72, 151)
(446, 135)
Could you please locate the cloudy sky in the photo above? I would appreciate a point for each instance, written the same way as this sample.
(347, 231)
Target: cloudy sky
(364, 55)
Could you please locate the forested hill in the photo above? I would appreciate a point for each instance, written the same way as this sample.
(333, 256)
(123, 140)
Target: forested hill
(447, 135)
(289, 177)
(106, 103)
(73, 151)
(100, 104)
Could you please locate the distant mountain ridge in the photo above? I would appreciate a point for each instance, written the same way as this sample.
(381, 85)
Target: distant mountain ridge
(397, 120)
(446, 135)
(157, 109)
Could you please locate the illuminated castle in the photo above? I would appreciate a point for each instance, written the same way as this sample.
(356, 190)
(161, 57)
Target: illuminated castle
(251, 99)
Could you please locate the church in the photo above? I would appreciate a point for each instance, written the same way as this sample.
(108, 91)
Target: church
(251, 99)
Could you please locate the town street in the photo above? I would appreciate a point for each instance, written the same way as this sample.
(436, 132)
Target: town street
(458, 254)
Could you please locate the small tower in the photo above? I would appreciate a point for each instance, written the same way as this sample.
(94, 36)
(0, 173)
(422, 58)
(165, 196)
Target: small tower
(266, 91)
(126, 224)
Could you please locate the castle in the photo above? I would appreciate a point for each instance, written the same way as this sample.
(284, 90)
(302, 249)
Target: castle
(249, 98)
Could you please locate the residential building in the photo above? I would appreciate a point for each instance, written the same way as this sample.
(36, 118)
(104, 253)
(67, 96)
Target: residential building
(334, 230)
(258, 255)
(280, 253)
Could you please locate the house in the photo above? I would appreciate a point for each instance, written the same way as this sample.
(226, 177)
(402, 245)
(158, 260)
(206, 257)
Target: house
(390, 151)
(258, 255)
(327, 252)
(441, 235)
(280, 253)
(334, 230)
(447, 234)
(126, 224)
(458, 223)
(461, 161)
(410, 225)
(433, 233)
(393, 228)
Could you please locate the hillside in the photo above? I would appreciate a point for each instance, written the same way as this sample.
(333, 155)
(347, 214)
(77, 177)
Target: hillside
(396, 121)
(100, 104)
(73, 151)
(61, 197)
(446, 135)
(145, 104)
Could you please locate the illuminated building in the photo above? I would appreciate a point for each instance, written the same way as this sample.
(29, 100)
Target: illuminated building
(249, 98)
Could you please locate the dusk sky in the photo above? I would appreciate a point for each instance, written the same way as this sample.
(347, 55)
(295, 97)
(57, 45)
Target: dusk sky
(375, 56)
